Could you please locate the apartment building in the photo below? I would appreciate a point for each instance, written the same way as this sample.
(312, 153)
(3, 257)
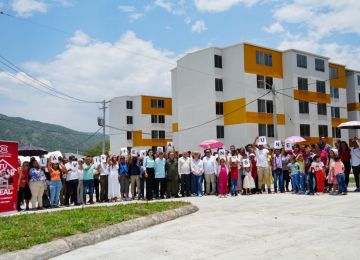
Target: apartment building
(140, 122)
(353, 98)
(225, 94)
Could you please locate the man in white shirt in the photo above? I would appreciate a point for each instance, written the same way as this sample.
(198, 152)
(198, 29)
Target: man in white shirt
(184, 168)
(210, 167)
(104, 173)
(72, 181)
(355, 162)
(263, 169)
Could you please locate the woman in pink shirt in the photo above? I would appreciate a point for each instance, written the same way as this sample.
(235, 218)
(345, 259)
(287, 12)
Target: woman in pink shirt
(337, 168)
(223, 178)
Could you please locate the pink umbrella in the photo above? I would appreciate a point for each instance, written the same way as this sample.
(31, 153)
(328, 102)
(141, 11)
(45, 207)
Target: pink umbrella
(294, 139)
(212, 144)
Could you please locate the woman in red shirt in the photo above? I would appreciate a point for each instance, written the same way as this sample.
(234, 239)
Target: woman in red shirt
(24, 192)
(344, 154)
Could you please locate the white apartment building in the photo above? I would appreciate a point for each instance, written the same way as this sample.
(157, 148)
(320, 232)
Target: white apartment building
(353, 98)
(222, 93)
(140, 122)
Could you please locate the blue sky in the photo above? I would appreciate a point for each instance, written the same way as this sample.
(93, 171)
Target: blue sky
(95, 49)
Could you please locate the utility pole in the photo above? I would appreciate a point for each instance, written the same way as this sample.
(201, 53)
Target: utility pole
(104, 138)
(274, 112)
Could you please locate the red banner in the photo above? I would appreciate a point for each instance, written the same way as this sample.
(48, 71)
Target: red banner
(8, 175)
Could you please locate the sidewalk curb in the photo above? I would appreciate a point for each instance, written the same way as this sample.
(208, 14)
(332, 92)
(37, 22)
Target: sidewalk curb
(64, 245)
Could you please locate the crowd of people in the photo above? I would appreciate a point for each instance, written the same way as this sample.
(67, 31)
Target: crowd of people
(306, 169)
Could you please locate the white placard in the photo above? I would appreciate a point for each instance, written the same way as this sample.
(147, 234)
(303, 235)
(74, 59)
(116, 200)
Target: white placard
(124, 151)
(103, 158)
(170, 146)
(277, 144)
(43, 162)
(288, 146)
(222, 154)
(143, 153)
(74, 164)
(159, 149)
(133, 152)
(246, 163)
(96, 160)
(234, 158)
(54, 159)
(262, 140)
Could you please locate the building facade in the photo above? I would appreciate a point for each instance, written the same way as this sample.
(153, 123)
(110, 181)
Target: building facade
(353, 98)
(140, 122)
(228, 94)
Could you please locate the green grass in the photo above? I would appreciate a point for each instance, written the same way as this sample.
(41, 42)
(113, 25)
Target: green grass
(27, 230)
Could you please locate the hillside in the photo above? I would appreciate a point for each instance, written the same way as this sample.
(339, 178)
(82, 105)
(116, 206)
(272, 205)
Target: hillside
(49, 136)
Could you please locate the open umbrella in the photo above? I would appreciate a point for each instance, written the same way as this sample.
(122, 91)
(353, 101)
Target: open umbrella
(350, 125)
(212, 144)
(30, 150)
(294, 139)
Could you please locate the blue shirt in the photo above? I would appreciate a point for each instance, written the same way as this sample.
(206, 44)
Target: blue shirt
(123, 168)
(159, 168)
(294, 168)
(149, 162)
(36, 175)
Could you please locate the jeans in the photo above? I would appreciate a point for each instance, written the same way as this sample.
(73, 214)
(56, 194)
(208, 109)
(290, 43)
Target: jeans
(278, 177)
(295, 182)
(96, 187)
(162, 183)
(311, 178)
(142, 186)
(71, 190)
(55, 187)
(193, 184)
(88, 184)
(234, 190)
(199, 184)
(185, 185)
(341, 181)
(301, 182)
(356, 172)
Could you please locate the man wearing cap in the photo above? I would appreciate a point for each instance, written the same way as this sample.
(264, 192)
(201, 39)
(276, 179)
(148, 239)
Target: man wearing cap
(72, 180)
(262, 164)
(355, 161)
(184, 168)
(210, 168)
(172, 176)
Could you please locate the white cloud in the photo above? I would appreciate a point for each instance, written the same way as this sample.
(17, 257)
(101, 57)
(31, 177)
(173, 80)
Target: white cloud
(94, 70)
(135, 16)
(26, 8)
(220, 5)
(274, 28)
(198, 26)
(130, 10)
(65, 3)
(127, 8)
(164, 4)
(80, 38)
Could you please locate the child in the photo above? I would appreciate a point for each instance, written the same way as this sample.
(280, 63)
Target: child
(222, 174)
(293, 168)
(234, 174)
(254, 173)
(337, 169)
(301, 175)
(249, 182)
(331, 177)
(317, 168)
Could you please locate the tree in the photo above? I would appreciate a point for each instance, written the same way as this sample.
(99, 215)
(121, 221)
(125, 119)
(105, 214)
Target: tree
(96, 149)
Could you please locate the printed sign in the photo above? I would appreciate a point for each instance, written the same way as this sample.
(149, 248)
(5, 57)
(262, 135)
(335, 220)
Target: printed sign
(222, 154)
(288, 146)
(8, 175)
(96, 160)
(277, 144)
(160, 149)
(124, 151)
(262, 140)
(103, 158)
(74, 165)
(43, 162)
(133, 152)
(143, 153)
(234, 158)
(170, 146)
(246, 163)
(54, 158)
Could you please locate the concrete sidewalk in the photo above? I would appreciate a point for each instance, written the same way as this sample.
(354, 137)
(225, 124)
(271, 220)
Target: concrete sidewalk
(276, 226)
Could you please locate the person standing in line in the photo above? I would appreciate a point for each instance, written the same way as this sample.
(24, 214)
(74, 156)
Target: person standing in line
(210, 169)
(197, 168)
(337, 169)
(149, 171)
(318, 169)
(278, 171)
(355, 162)
(222, 173)
(262, 165)
(88, 173)
(172, 176)
(293, 168)
(301, 176)
(72, 180)
(345, 156)
(55, 183)
(159, 167)
(36, 184)
(124, 178)
(80, 189)
(24, 192)
(184, 168)
(62, 163)
(234, 175)
(112, 167)
(142, 178)
(104, 179)
(134, 171)
(97, 182)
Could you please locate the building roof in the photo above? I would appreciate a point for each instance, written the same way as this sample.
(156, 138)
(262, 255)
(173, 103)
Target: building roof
(307, 53)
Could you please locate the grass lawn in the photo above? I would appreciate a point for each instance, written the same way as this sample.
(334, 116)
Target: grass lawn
(24, 231)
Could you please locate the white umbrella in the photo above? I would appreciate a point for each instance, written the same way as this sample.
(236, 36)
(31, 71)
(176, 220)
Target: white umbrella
(350, 125)
(294, 139)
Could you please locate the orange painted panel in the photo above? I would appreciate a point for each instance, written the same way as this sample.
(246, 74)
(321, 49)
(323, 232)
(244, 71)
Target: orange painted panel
(312, 96)
(340, 82)
(314, 140)
(353, 107)
(264, 118)
(175, 127)
(146, 108)
(139, 141)
(337, 121)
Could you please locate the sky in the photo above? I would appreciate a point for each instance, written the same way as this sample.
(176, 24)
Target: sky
(95, 50)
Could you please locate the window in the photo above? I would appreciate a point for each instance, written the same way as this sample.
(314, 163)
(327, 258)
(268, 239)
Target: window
(219, 131)
(161, 103)
(128, 135)
(154, 103)
(304, 130)
(270, 130)
(323, 130)
(219, 108)
(303, 107)
(320, 86)
(301, 61)
(302, 84)
(335, 112)
(321, 109)
(261, 106)
(266, 130)
(157, 119)
(262, 130)
(358, 80)
(154, 119)
(269, 82)
(161, 134)
(263, 58)
(129, 104)
(218, 61)
(260, 81)
(334, 92)
(319, 65)
(161, 119)
(336, 132)
(129, 120)
(359, 97)
(334, 73)
(154, 134)
(269, 106)
(218, 85)
(264, 82)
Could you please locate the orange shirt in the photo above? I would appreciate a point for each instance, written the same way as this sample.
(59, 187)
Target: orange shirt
(55, 175)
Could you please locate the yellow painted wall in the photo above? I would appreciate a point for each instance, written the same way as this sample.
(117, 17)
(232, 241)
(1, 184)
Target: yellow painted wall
(337, 121)
(340, 82)
(146, 108)
(314, 140)
(175, 127)
(312, 96)
(251, 66)
(139, 141)
(353, 107)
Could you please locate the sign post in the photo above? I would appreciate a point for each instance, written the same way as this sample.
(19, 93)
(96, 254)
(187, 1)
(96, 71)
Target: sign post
(8, 175)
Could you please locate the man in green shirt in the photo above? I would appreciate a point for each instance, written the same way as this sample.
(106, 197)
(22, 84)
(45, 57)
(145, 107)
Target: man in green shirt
(172, 176)
(88, 181)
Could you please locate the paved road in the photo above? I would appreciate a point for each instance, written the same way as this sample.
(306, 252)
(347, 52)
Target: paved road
(274, 226)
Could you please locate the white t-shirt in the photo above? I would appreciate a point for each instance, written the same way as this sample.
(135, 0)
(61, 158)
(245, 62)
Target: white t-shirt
(262, 157)
(73, 174)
